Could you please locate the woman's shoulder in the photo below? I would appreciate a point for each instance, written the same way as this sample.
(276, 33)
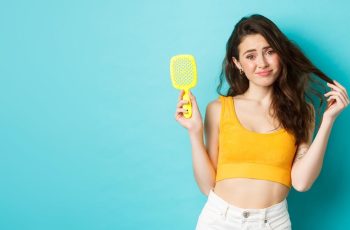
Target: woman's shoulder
(214, 107)
(215, 104)
(212, 114)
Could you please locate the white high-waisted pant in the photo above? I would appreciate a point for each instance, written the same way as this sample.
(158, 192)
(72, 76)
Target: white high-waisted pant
(220, 215)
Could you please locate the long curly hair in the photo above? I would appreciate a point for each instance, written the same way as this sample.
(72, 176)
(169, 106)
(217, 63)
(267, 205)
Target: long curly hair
(292, 89)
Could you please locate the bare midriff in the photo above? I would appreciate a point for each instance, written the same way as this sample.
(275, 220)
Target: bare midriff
(251, 193)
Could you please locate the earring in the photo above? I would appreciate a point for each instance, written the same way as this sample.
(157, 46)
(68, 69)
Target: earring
(241, 72)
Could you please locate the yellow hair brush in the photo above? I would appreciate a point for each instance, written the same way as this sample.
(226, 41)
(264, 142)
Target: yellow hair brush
(183, 73)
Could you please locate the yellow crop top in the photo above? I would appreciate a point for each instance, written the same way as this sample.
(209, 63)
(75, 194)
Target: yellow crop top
(248, 154)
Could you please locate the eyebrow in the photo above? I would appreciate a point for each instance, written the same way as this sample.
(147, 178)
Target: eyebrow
(251, 50)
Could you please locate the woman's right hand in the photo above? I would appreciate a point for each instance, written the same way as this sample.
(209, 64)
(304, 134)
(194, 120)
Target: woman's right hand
(194, 124)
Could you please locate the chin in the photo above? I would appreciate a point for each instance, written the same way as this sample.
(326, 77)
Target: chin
(267, 81)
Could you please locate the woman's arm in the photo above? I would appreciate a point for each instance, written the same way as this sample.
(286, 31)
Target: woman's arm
(307, 168)
(309, 160)
(205, 158)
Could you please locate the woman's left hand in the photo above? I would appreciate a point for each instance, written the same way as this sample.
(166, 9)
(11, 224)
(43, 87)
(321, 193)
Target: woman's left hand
(337, 100)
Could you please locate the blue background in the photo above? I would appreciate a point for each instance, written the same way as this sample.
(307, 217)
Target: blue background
(88, 138)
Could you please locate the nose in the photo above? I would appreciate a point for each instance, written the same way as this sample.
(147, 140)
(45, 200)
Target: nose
(261, 62)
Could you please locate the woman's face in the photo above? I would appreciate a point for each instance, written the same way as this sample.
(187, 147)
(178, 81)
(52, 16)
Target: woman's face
(258, 60)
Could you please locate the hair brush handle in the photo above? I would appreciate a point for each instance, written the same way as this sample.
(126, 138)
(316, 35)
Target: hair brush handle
(188, 106)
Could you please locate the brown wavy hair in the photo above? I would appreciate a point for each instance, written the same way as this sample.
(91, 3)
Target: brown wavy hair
(292, 89)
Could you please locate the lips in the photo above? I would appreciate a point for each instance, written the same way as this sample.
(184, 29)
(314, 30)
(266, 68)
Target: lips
(264, 73)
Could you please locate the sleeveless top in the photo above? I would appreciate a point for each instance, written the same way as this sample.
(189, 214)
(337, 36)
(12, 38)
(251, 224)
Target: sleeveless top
(248, 154)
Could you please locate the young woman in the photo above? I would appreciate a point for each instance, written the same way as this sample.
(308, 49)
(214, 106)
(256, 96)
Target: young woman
(259, 137)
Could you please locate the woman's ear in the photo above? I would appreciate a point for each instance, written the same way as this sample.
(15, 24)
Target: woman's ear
(236, 62)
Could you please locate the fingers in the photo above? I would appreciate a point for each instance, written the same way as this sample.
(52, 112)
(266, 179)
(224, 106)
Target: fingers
(344, 99)
(332, 99)
(336, 99)
(179, 108)
(181, 94)
(339, 88)
(193, 98)
(178, 116)
(179, 113)
(181, 103)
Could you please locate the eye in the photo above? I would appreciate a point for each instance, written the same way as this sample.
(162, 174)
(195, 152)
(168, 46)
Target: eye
(270, 52)
(250, 57)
